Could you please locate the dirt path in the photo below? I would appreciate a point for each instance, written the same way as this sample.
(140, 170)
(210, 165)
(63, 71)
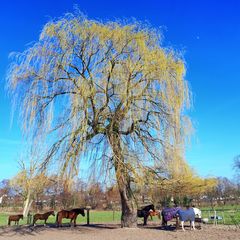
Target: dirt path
(114, 232)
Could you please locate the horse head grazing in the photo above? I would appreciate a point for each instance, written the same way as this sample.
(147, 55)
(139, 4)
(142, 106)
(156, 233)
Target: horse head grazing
(83, 213)
(52, 213)
(197, 212)
(78, 211)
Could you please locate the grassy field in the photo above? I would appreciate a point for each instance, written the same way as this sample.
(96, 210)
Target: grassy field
(229, 216)
(95, 217)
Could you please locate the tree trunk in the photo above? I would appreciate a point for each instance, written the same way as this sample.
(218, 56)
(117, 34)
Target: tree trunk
(129, 210)
(27, 205)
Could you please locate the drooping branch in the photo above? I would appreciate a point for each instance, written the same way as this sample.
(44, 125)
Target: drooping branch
(84, 81)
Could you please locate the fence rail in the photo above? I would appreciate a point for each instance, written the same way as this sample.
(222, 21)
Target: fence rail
(222, 216)
(217, 216)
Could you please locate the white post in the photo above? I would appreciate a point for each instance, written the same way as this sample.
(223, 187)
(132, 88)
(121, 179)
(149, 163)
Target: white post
(215, 217)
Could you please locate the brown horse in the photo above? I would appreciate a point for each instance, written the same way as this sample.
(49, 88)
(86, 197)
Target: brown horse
(154, 213)
(14, 218)
(72, 214)
(43, 216)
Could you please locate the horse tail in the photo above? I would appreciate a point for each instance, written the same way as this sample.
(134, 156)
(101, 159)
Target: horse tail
(9, 221)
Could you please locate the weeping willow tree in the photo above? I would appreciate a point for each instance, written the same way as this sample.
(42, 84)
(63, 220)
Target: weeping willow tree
(104, 93)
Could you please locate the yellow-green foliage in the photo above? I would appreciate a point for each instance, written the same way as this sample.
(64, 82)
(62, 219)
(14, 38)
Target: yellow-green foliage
(85, 81)
(186, 183)
(27, 182)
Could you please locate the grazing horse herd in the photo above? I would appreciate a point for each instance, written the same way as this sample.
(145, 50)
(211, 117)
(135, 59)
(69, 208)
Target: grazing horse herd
(167, 214)
(190, 214)
(69, 214)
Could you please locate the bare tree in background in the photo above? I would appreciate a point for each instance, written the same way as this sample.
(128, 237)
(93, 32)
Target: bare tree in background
(104, 93)
(29, 183)
(236, 165)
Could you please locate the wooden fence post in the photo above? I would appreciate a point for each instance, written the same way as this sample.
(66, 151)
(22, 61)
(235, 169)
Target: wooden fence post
(88, 215)
(29, 218)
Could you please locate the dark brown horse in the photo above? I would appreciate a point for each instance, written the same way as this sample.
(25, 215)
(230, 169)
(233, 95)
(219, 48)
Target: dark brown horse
(144, 212)
(43, 216)
(14, 218)
(72, 214)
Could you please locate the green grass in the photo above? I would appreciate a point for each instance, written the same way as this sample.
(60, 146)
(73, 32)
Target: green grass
(105, 216)
(95, 217)
(223, 207)
(229, 213)
(231, 217)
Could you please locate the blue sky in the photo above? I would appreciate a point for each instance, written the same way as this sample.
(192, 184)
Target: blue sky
(208, 32)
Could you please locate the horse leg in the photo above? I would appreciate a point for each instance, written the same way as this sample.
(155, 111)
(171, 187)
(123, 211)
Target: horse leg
(144, 220)
(34, 221)
(75, 222)
(147, 215)
(192, 225)
(57, 220)
(60, 222)
(182, 224)
(177, 223)
(164, 223)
